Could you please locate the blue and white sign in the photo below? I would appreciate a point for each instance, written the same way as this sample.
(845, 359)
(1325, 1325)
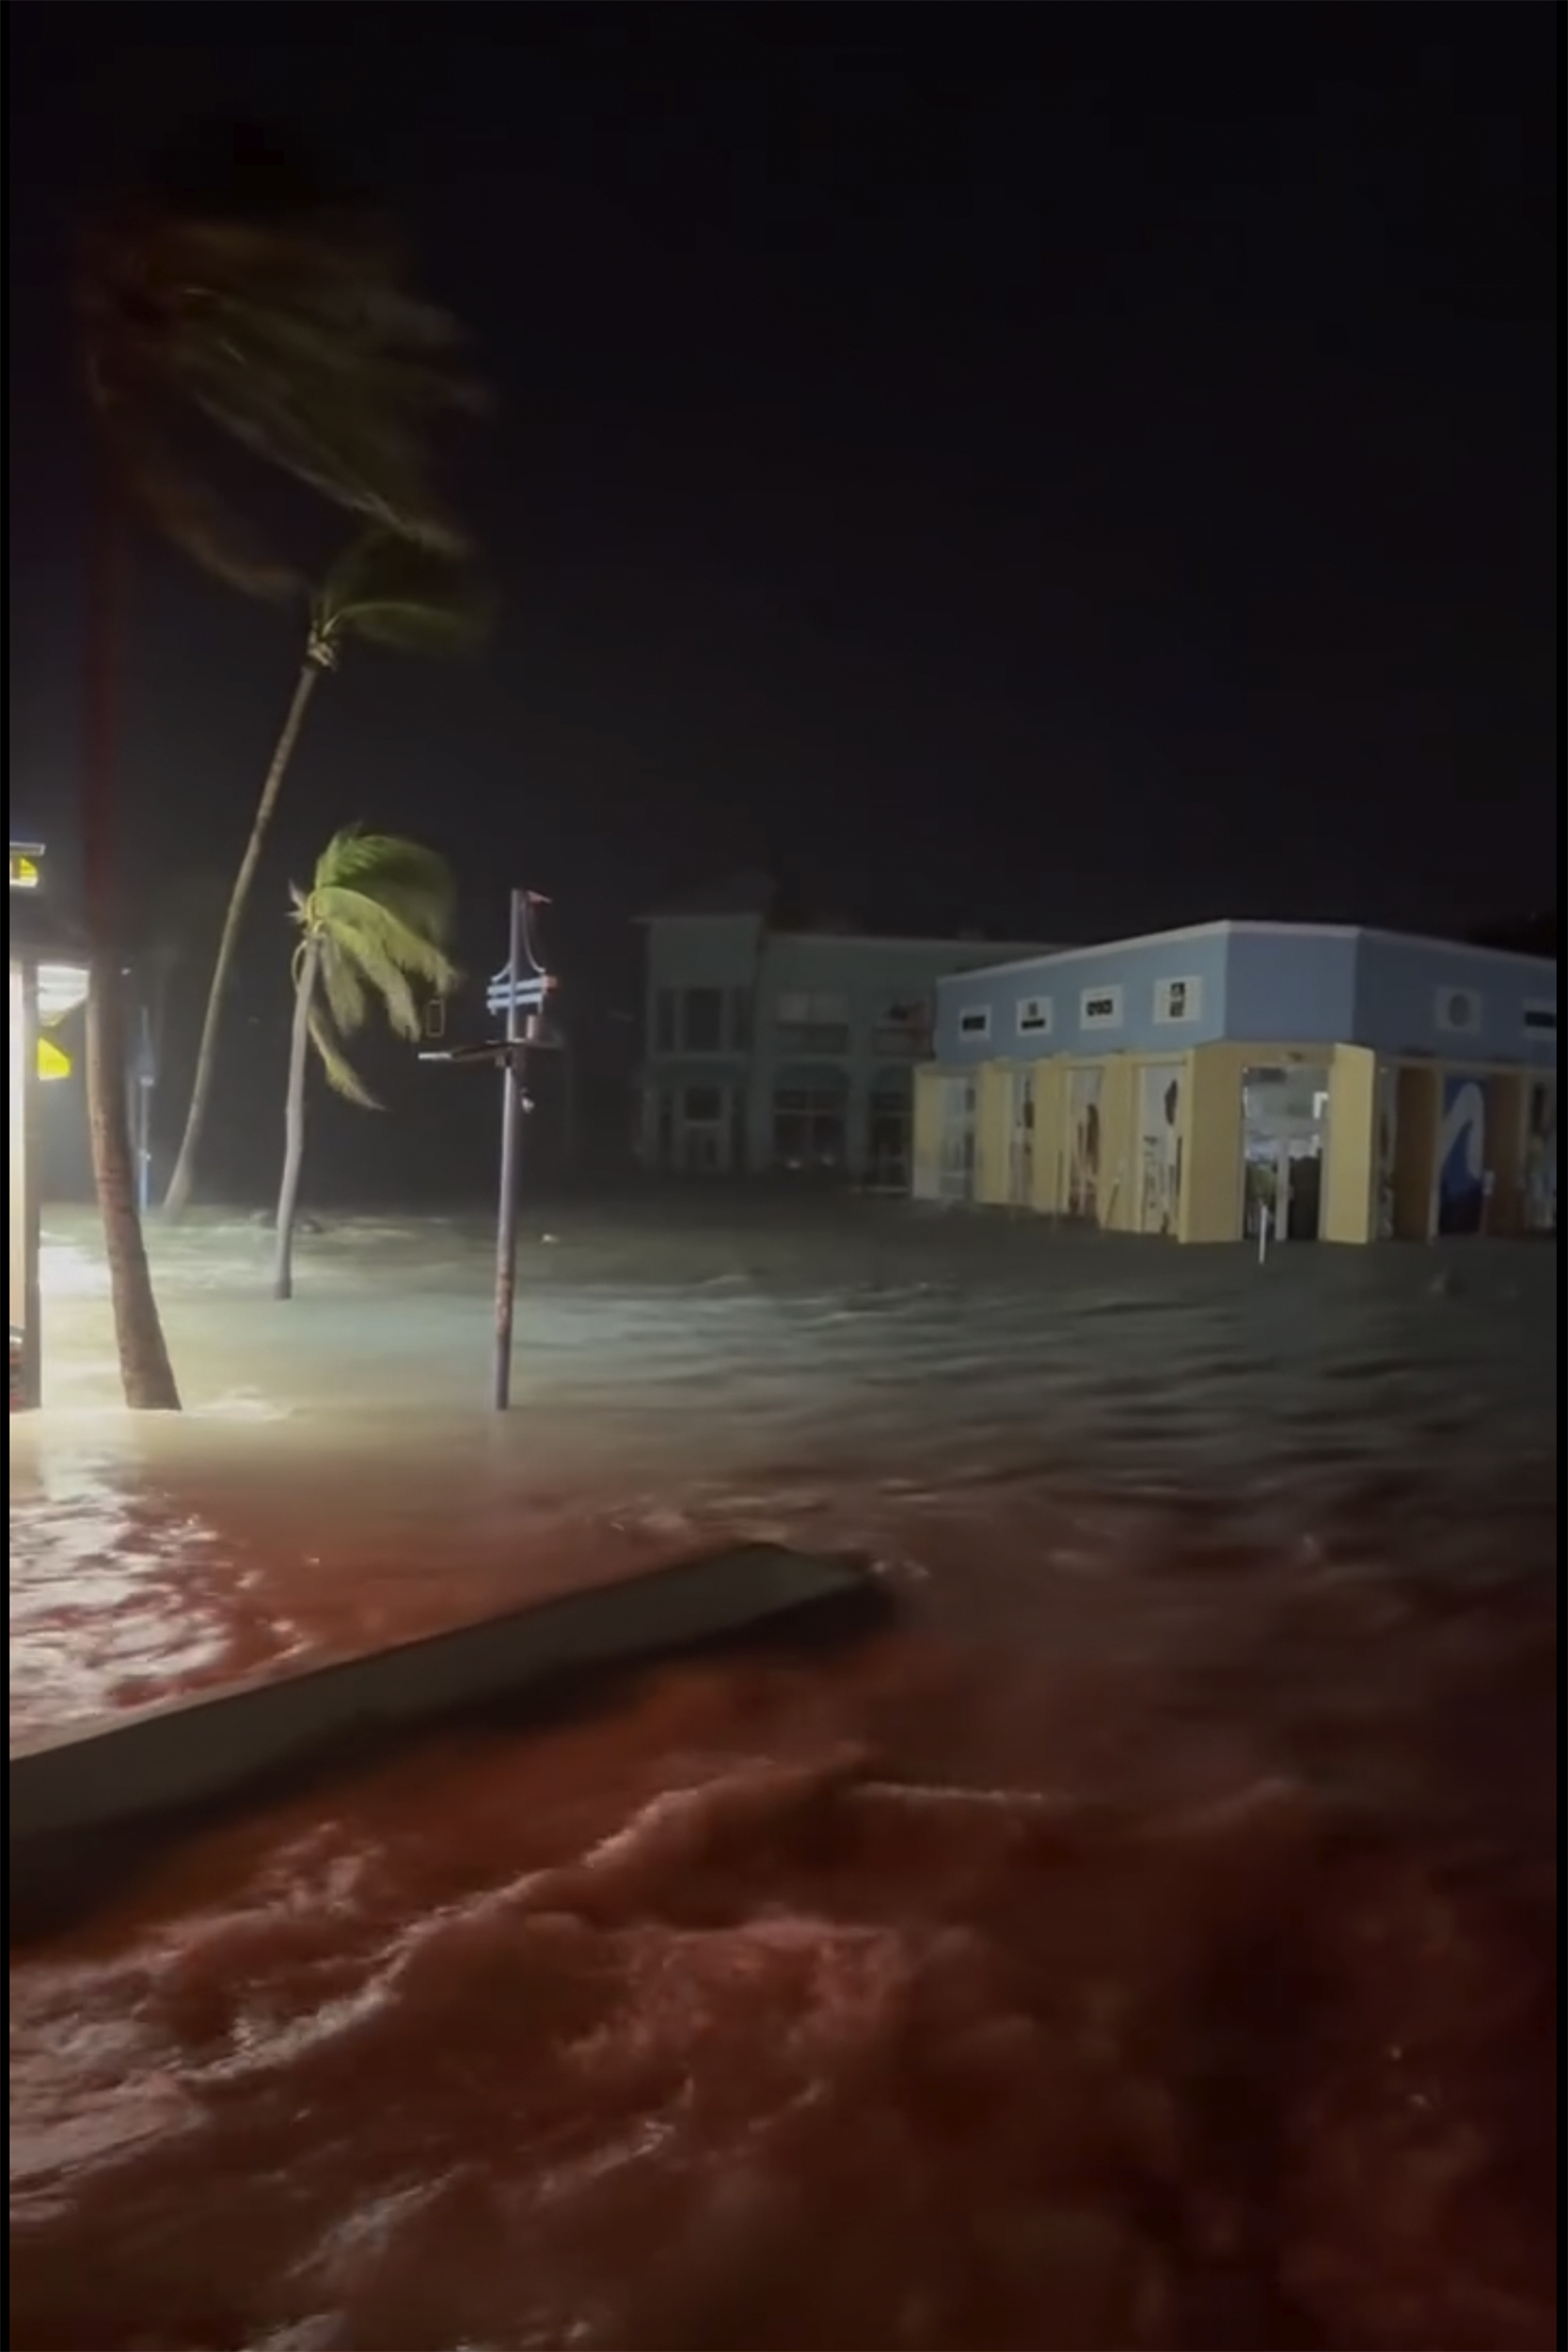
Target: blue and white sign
(527, 993)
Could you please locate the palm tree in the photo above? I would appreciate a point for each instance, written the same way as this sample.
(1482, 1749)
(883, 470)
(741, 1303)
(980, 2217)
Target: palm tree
(389, 591)
(294, 337)
(372, 927)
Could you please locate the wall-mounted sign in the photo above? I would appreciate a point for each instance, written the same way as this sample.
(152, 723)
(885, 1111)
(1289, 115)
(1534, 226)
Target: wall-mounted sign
(26, 864)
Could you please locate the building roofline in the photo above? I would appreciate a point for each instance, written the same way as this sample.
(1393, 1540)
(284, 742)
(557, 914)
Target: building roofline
(1226, 928)
(1099, 947)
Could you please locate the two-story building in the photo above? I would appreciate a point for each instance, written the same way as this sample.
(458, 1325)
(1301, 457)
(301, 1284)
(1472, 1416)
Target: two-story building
(1352, 1085)
(777, 1047)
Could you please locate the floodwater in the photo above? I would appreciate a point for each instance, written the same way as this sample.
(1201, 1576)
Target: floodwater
(1149, 1941)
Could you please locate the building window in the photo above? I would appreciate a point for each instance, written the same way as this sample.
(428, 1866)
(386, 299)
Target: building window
(809, 1128)
(975, 1021)
(740, 1020)
(902, 1029)
(811, 1024)
(664, 1021)
(1459, 1011)
(1177, 1000)
(702, 1021)
(1541, 1017)
(1099, 1008)
(891, 1119)
(702, 1107)
(1034, 1016)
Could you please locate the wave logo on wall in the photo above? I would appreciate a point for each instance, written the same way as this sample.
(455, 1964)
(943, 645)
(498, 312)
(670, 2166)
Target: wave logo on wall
(1462, 1157)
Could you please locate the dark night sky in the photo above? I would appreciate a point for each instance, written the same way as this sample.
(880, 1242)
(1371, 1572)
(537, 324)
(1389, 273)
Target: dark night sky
(1058, 468)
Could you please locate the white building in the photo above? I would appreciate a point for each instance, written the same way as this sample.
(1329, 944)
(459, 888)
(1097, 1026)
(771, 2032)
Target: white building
(775, 1048)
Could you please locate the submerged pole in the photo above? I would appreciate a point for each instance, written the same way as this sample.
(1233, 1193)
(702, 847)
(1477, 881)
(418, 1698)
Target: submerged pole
(512, 1107)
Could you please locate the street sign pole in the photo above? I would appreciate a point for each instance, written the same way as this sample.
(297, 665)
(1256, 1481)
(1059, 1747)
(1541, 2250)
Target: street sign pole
(520, 992)
(511, 1108)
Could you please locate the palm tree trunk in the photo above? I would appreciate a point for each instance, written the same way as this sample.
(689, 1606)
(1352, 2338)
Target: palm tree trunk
(293, 1123)
(147, 1376)
(177, 1199)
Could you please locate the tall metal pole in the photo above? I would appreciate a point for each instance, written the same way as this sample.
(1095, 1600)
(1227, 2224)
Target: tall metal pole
(511, 1108)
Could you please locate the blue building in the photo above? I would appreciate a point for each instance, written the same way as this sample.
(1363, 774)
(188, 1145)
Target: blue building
(1343, 1083)
(777, 1047)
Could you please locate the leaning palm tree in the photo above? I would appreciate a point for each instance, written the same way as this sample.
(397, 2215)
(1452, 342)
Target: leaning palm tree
(372, 932)
(386, 591)
(294, 335)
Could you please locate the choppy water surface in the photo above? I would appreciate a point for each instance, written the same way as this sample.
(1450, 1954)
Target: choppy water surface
(1150, 1942)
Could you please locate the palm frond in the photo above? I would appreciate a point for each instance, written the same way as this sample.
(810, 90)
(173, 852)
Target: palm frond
(298, 338)
(338, 1071)
(189, 513)
(393, 592)
(342, 987)
(387, 980)
(376, 919)
(405, 876)
(376, 932)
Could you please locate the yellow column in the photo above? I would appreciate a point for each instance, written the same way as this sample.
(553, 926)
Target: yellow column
(1212, 1176)
(993, 1132)
(1350, 1178)
(1119, 1147)
(925, 1134)
(1050, 1137)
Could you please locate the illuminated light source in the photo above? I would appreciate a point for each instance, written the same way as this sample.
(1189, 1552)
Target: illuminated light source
(62, 987)
(25, 871)
(52, 1061)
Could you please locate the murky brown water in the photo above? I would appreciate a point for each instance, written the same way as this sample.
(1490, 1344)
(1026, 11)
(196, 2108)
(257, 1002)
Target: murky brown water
(1151, 1942)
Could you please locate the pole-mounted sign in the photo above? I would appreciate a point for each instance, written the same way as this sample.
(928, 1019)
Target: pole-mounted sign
(517, 994)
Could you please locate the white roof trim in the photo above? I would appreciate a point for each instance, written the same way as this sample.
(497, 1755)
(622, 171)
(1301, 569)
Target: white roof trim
(1056, 957)
(1063, 956)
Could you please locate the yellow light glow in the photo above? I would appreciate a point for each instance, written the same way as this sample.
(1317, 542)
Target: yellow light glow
(24, 871)
(53, 1063)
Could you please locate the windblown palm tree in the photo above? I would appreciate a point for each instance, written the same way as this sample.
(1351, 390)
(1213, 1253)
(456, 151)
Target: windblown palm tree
(373, 927)
(294, 337)
(388, 590)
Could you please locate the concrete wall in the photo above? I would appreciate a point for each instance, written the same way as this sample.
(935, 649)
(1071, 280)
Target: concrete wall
(78, 1795)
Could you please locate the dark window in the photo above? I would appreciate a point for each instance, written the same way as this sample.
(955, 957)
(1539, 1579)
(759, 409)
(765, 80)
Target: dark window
(702, 1021)
(704, 1107)
(1541, 1019)
(740, 1020)
(808, 1128)
(975, 1024)
(664, 1021)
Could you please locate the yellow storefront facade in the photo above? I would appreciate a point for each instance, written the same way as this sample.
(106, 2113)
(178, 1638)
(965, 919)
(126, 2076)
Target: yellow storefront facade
(1304, 1136)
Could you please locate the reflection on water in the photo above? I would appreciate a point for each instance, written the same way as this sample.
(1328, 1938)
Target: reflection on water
(1151, 1944)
